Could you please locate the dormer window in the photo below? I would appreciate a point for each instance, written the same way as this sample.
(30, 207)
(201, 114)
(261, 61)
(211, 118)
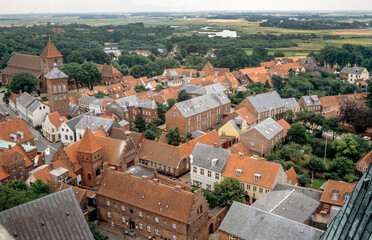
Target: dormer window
(239, 172)
(347, 195)
(257, 176)
(335, 195)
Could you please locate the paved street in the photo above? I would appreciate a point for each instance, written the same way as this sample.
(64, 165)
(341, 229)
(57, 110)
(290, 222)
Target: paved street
(40, 142)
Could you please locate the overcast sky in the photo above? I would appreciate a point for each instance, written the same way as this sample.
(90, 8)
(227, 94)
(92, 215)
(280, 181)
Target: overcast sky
(89, 6)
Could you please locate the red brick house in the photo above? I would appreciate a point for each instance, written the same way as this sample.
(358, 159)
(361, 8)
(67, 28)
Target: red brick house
(110, 75)
(310, 103)
(151, 207)
(335, 193)
(362, 164)
(200, 113)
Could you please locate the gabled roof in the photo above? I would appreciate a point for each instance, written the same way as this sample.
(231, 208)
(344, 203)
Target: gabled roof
(34, 106)
(292, 176)
(311, 100)
(201, 104)
(136, 102)
(285, 125)
(55, 216)
(247, 115)
(13, 97)
(209, 157)
(72, 123)
(354, 219)
(257, 74)
(50, 51)
(268, 128)
(343, 188)
(151, 196)
(314, 194)
(289, 204)
(290, 103)
(22, 63)
(265, 101)
(161, 153)
(353, 70)
(88, 143)
(55, 73)
(247, 222)
(25, 100)
(12, 127)
(94, 123)
(240, 148)
(250, 166)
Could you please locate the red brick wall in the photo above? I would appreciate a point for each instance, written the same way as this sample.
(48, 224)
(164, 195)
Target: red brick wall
(90, 164)
(60, 106)
(259, 141)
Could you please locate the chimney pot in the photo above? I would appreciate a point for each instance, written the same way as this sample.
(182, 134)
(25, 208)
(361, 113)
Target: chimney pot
(112, 169)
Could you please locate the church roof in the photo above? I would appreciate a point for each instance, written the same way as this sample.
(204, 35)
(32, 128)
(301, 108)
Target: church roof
(23, 63)
(89, 143)
(50, 51)
(55, 73)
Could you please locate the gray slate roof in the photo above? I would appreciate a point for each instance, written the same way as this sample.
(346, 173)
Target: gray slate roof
(189, 87)
(72, 108)
(354, 220)
(217, 87)
(141, 171)
(91, 100)
(197, 134)
(312, 100)
(25, 99)
(290, 103)
(59, 212)
(136, 102)
(353, 70)
(203, 155)
(201, 104)
(265, 101)
(247, 222)
(289, 204)
(268, 128)
(55, 74)
(314, 194)
(34, 106)
(73, 122)
(94, 123)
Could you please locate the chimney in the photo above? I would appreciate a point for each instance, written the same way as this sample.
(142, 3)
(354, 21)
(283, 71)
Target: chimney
(112, 169)
(178, 188)
(9, 146)
(128, 133)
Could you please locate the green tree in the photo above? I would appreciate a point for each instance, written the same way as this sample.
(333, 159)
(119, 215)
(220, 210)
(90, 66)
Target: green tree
(174, 137)
(331, 124)
(140, 122)
(159, 87)
(96, 234)
(341, 166)
(23, 81)
(297, 133)
(303, 180)
(170, 102)
(100, 94)
(188, 135)
(71, 70)
(123, 69)
(228, 191)
(39, 188)
(183, 96)
(350, 178)
(260, 53)
(346, 147)
(278, 82)
(149, 134)
(89, 75)
(315, 165)
(140, 88)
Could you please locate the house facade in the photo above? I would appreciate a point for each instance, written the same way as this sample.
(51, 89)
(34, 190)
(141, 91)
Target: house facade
(310, 103)
(362, 164)
(200, 113)
(351, 74)
(51, 126)
(36, 112)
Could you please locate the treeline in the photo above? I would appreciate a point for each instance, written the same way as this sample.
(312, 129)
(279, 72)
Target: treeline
(348, 54)
(314, 24)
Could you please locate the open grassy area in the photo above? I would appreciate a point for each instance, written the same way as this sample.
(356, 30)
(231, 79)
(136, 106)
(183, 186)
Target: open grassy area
(316, 184)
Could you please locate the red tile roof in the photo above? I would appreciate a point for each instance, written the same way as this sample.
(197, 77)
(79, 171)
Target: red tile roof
(240, 148)
(89, 143)
(258, 74)
(341, 187)
(247, 115)
(11, 127)
(55, 119)
(50, 51)
(292, 176)
(285, 125)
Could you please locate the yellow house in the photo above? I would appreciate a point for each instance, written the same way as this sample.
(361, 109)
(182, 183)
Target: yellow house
(239, 121)
(291, 104)
(256, 176)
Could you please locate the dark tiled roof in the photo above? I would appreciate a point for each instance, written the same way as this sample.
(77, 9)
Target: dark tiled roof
(354, 220)
(56, 216)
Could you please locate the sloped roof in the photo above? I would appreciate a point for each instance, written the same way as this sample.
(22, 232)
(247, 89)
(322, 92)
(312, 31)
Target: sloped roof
(290, 103)
(55, 216)
(201, 104)
(136, 102)
(240, 148)
(292, 176)
(314, 194)
(12, 127)
(264, 225)
(354, 219)
(94, 123)
(312, 100)
(203, 155)
(247, 115)
(50, 51)
(55, 73)
(353, 70)
(158, 152)
(23, 63)
(285, 125)
(34, 106)
(55, 119)
(112, 149)
(25, 100)
(154, 197)
(89, 143)
(13, 97)
(265, 101)
(342, 188)
(258, 74)
(289, 204)
(251, 166)
(268, 128)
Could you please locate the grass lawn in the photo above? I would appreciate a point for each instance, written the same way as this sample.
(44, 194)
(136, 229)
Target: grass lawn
(318, 182)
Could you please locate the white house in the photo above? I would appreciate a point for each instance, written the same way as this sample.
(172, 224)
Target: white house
(22, 102)
(207, 163)
(93, 123)
(68, 130)
(52, 126)
(36, 112)
(351, 74)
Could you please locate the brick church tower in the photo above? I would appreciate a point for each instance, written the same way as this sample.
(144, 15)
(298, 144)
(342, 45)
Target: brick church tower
(57, 91)
(48, 58)
(89, 155)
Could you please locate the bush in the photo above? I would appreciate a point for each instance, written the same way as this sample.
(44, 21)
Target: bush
(303, 180)
(331, 176)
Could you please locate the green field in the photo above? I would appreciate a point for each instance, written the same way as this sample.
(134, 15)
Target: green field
(316, 184)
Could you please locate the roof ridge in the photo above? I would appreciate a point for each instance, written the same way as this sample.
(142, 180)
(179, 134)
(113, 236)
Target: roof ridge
(290, 193)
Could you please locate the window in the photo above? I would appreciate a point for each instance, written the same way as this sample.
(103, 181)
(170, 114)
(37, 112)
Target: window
(242, 184)
(267, 190)
(123, 219)
(122, 208)
(156, 231)
(174, 237)
(156, 219)
(209, 174)
(260, 190)
(108, 203)
(108, 214)
(252, 143)
(140, 225)
(231, 237)
(140, 214)
(165, 223)
(174, 226)
(21, 174)
(217, 176)
(13, 168)
(195, 169)
(20, 164)
(248, 187)
(254, 189)
(201, 171)
(149, 228)
(325, 207)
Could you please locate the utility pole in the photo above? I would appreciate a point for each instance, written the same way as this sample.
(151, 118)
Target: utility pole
(325, 149)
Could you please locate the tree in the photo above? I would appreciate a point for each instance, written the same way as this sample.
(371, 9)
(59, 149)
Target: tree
(342, 166)
(89, 74)
(278, 82)
(260, 53)
(100, 94)
(303, 180)
(297, 133)
(228, 191)
(331, 124)
(356, 116)
(140, 88)
(170, 102)
(123, 69)
(140, 122)
(289, 116)
(174, 137)
(346, 147)
(315, 165)
(183, 96)
(23, 81)
(71, 70)
(159, 87)
(39, 188)
(188, 135)
(96, 234)
(149, 134)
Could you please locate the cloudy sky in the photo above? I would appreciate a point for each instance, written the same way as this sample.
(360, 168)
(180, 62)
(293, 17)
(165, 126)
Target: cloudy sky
(86, 6)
